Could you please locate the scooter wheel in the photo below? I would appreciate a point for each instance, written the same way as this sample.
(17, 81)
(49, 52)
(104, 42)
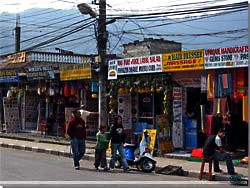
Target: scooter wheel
(118, 163)
(147, 165)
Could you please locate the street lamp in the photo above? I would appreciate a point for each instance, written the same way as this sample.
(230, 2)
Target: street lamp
(102, 47)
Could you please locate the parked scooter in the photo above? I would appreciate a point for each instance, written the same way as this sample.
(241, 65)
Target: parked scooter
(145, 162)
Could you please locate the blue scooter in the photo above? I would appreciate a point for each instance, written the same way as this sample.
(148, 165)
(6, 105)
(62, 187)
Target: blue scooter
(145, 162)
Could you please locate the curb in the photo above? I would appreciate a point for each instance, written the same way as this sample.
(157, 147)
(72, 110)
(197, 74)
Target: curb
(85, 157)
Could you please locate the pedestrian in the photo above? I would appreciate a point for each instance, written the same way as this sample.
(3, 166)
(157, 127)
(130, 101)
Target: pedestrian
(213, 149)
(100, 149)
(77, 133)
(117, 136)
(50, 123)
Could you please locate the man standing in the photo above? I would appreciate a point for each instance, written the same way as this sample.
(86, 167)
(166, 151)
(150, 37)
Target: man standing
(77, 134)
(213, 149)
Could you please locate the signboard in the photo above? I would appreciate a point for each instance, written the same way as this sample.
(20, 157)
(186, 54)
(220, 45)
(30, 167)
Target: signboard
(163, 132)
(138, 65)
(112, 70)
(59, 58)
(226, 57)
(185, 60)
(152, 138)
(178, 129)
(124, 109)
(75, 71)
(40, 72)
(9, 76)
(16, 58)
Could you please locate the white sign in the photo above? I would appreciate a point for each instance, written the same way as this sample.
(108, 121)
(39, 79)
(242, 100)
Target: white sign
(124, 109)
(178, 130)
(138, 65)
(226, 57)
(112, 70)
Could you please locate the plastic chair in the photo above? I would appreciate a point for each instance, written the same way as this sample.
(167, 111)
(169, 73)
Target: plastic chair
(139, 129)
(210, 162)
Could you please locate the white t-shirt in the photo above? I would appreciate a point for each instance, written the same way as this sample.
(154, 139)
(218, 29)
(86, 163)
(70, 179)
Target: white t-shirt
(218, 141)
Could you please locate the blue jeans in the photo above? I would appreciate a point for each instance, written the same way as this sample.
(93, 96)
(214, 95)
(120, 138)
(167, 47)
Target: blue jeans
(114, 148)
(225, 156)
(78, 150)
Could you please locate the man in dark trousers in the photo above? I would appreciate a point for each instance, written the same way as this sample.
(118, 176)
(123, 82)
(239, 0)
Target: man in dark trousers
(213, 149)
(77, 133)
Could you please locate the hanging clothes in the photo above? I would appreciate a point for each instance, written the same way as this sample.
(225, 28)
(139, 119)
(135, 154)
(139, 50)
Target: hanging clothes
(220, 86)
(204, 82)
(227, 83)
(245, 108)
(203, 116)
(208, 125)
(210, 85)
(240, 83)
(218, 105)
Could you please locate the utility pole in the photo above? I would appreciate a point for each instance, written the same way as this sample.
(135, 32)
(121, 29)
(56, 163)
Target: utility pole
(17, 33)
(102, 47)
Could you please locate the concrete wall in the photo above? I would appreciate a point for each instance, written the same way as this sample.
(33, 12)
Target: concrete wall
(150, 47)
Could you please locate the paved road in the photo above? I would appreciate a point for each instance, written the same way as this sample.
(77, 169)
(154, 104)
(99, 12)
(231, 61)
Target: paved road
(19, 168)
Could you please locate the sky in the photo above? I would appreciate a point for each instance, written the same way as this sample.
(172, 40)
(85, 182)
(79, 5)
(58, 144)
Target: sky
(14, 6)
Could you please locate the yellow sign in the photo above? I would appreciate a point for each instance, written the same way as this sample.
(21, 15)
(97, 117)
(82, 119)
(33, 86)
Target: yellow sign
(16, 58)
(75, 71)
(185, 60)
(152, 135)
(166, 146)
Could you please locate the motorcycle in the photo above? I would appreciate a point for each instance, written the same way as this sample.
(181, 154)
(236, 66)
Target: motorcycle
(145, 162)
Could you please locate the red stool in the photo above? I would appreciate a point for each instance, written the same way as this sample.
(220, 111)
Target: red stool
(210, 162)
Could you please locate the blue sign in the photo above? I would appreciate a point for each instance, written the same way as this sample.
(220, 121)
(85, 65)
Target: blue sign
(40, 72)
(9, 76)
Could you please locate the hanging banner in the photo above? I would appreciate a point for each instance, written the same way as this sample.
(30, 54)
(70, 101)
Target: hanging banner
(124, 109)
(178, 129)
(226, 57)
(185, 60)
(40, 72)
(9, 76)
(75, 71)
(137, 65)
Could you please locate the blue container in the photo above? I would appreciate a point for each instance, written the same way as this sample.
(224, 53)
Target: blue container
(130, 153)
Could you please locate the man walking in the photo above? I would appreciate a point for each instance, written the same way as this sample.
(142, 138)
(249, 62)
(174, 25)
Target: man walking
(77, 133)
(213, 149)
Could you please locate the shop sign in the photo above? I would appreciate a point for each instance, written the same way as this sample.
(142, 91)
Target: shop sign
(9, 76)
(178, 129)
(185, 60)
(189, 82)
(152, 138)
(59, 58)
(139, 65)
(226, 57)
(16, 58)
(75, 71)
(40, 72)
(112, 70)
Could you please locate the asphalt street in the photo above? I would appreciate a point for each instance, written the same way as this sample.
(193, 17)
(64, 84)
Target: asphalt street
(29, 169)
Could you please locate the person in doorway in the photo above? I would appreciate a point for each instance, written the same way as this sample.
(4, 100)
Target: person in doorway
(77, 133)
(214, 150)
(117, 136)
(50, 123)
(100, 149)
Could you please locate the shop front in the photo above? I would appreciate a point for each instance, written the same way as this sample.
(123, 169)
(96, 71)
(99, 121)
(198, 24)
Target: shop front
(141, 94)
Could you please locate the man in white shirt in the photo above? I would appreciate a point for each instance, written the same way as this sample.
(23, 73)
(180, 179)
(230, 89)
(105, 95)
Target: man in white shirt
(213, 149)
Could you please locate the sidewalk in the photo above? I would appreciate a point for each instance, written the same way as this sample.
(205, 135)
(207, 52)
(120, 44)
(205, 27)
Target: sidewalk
(61, 147)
